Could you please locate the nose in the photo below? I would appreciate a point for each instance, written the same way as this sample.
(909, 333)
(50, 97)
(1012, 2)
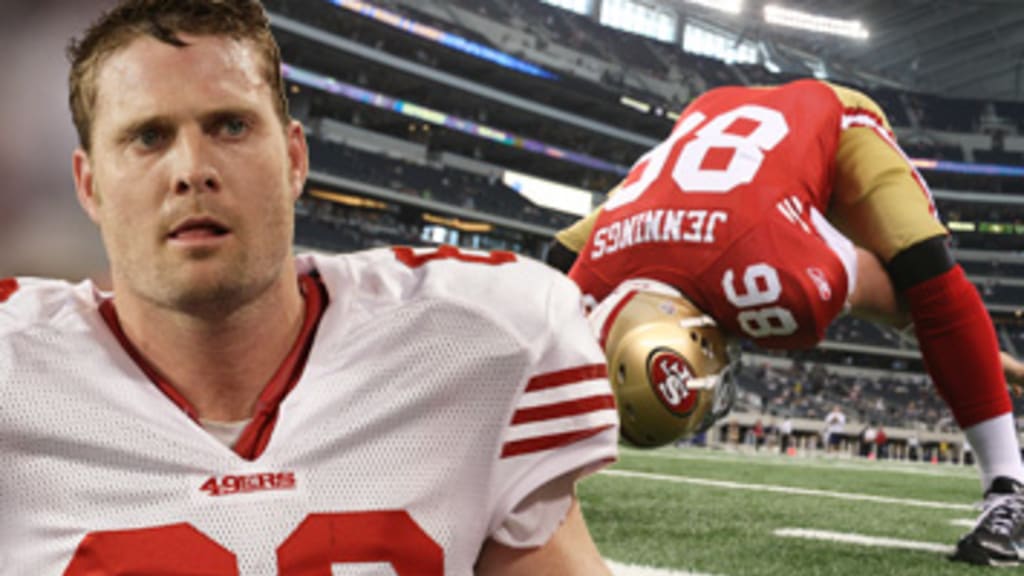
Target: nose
(195, 170)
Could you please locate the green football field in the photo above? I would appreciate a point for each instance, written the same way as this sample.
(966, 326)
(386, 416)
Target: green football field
(695, 511)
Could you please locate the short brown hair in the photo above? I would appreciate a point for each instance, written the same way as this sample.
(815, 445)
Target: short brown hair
(164, 20)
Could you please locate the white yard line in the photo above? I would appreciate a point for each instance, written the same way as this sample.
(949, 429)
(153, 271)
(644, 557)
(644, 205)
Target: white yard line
(634, 570)
(788, 490)
(862, 540)
(963, 522)
(817, 461)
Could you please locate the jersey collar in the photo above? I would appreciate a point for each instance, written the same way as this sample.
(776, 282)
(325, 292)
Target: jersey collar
(256, 436)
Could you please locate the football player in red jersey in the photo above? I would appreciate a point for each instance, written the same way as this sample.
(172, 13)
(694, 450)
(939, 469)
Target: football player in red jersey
(233, 409)
(746, 213)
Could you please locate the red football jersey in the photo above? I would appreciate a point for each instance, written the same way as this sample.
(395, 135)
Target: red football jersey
(729, 211)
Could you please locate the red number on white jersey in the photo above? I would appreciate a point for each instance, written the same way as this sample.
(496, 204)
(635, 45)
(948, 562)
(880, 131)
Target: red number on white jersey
(416, 258)
(8, 286)
(151, 551)
(385, 536)
(390, 536)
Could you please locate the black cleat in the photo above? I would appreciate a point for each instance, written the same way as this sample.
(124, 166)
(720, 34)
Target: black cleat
(998, 537)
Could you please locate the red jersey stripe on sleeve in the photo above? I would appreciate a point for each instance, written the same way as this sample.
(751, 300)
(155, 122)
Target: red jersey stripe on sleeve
(563, 409)
(541, 443)
(568, 376)
(560, 408)
(863, 117)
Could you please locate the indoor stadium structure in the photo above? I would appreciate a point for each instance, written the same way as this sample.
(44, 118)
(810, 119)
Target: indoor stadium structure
(491, 124)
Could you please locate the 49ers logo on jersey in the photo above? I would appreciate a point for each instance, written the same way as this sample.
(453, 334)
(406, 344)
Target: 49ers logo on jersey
(247, 483)
(8, 286)
(669, 375)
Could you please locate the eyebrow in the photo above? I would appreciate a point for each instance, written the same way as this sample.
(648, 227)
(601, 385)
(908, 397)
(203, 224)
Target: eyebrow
(129, 130)
(221, 114)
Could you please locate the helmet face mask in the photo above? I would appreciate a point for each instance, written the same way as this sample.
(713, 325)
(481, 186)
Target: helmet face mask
(669, 364)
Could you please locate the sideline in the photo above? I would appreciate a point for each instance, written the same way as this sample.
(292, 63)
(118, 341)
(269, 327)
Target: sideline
(634, 570)
(816, 461)
(788, 490)
(862, 540)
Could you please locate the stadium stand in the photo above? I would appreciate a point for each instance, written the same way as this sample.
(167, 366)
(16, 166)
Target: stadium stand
(401, 174)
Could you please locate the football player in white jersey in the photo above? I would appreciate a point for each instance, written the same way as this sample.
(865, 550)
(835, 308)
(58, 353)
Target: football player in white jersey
(230, 409)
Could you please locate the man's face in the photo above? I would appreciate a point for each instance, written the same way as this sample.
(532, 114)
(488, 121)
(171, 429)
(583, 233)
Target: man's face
(191, 177)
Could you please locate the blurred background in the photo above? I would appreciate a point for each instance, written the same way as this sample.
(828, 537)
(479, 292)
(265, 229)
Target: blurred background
(42, 230)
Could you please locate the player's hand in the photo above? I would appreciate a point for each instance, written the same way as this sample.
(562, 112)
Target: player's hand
(1014, 371)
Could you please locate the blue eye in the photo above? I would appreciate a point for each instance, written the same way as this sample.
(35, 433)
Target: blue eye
(234, 127)
(151, 137)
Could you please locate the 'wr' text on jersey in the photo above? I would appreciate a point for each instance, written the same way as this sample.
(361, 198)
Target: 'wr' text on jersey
(692, 226)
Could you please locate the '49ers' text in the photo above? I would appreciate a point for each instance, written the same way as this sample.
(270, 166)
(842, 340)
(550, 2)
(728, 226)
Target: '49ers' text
(246, 483)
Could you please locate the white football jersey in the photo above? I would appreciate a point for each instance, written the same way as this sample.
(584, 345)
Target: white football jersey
(441, 389)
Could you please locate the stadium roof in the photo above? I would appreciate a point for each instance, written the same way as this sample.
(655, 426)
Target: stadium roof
(954, 48)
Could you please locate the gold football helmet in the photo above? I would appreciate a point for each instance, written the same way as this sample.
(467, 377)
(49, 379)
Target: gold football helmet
(670, 365)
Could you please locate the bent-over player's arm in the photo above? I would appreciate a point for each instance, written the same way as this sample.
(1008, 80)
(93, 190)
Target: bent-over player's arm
(874, 298)
(569, 552)
(883, 204)
(570, 241)
(1014, 370)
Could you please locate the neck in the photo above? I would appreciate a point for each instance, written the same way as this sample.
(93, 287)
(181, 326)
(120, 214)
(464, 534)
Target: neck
(220, 362)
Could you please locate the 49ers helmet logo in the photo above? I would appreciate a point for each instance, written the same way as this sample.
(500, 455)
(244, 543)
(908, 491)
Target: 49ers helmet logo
(668, 374)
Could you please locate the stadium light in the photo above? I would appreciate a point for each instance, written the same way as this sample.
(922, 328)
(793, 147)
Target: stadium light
(962, 226)
(550, 194)
(635, 104)
(730, 6)
(805, 21)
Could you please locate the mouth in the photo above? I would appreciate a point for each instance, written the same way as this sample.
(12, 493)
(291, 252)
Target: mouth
(198, 230)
